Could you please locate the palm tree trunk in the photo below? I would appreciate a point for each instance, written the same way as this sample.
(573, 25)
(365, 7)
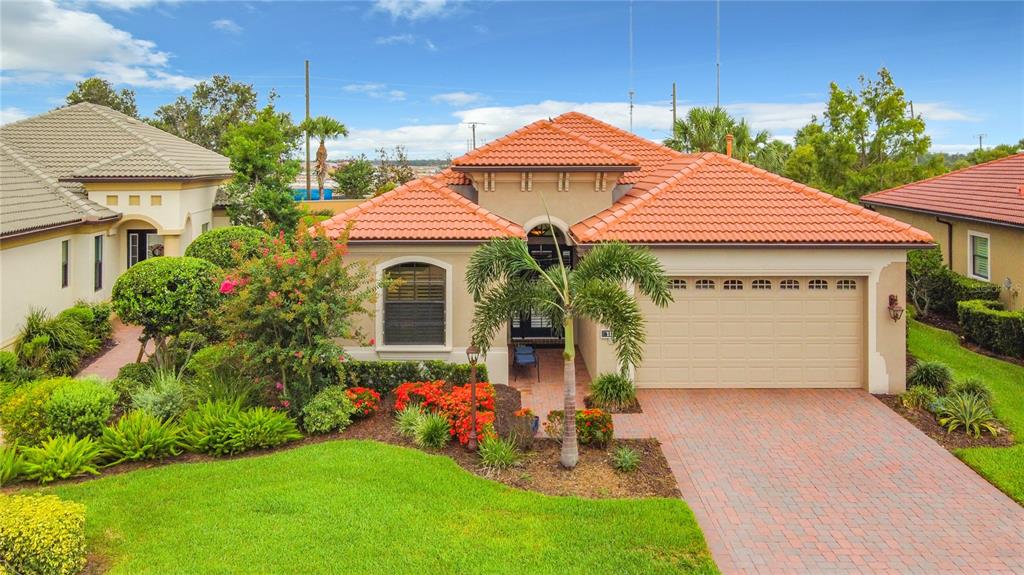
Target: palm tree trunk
(570, 449)
(321, 167)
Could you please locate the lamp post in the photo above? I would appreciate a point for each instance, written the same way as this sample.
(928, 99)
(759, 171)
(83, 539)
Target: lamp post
(473, 355)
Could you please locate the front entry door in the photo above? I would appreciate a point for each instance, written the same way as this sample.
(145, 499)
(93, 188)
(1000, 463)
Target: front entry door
(139, 244)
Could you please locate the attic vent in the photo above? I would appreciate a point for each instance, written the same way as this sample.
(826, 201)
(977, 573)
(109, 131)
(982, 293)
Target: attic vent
(488, 181)
(526, 182)
(601, 182)
(563, 181)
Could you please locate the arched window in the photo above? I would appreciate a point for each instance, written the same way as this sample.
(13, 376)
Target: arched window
(677, 283)
(817, 284)
(414, 304)
(732, 285)
(846, 285)
(761, 284)
(705, 284)
(789, 284)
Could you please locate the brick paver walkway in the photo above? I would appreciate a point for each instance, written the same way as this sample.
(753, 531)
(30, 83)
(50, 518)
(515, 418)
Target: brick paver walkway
(125, 351)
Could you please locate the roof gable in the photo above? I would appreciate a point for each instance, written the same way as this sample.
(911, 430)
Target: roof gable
(545, 144)
(423, 209)
(991, 191)
(717, 199)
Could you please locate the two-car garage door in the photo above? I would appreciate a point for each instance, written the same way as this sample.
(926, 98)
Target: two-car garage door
(757, 331)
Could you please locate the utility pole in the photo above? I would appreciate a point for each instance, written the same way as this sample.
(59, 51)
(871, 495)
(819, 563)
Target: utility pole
(472, 126)
(309, 181)
(980, 136)
(718, 54)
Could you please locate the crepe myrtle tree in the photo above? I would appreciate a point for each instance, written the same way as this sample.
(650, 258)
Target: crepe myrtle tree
(505, 281)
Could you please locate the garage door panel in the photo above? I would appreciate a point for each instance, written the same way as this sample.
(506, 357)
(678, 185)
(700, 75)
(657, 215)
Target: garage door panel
(755, 338)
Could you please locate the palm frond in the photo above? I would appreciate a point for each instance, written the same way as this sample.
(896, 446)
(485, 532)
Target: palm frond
(619, 263)
(497, 260)
(607, 303)
(506, 298)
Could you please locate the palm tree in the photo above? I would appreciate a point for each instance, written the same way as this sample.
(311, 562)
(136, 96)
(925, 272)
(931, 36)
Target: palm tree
(323, 128)
(702, 130)
(506, 281)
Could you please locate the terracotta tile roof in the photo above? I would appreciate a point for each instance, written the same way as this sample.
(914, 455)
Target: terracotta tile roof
(990, 191)
(716, 199)
(544, 143)
(450, 177)
(650, 155)
(423, 209)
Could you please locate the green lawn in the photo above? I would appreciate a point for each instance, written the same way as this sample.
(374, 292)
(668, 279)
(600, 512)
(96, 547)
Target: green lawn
(1003, 467)
(367, 507)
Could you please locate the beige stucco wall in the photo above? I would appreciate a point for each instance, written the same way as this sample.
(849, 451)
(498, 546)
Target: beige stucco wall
(31, 274)
(454, 258)
(336, 206)
(598, 354)
(882, 270)
(1006, 248)
(566, 208)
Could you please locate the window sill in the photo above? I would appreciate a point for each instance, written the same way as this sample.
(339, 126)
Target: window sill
(979, 278)
(413, 348)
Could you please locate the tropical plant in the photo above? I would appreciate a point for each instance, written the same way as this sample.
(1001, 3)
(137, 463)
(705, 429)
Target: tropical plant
(974, 386)
(505, 281)
(498, 453)
(408, 419)
(164, 398)
(61, 457)
(625, 459)
(139, 436)
(12, 464)
(228, 247)
(322, 128)
(222, 428)
(330, 410)
(933, 374)
(80, 407)
(432, 431)
(968, 411)
(53, 344)
(613, 391)
(918, 396)
(219, 372)
(262, 428)
(705, 130)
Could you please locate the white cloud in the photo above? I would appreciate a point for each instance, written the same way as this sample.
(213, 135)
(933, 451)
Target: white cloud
(12, 114)
(412, 9)
(126, 5)
(227, 25)
(943, 112)
(395, 39)
(776, 117)
(430, 45)
(954, 148)
(374, 90)
(458, 98)
(42, 42)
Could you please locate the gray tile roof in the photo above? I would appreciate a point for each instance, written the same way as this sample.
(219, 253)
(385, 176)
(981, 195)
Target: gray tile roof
(43, 157)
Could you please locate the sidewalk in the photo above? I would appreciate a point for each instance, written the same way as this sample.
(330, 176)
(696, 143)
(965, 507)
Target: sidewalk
(125, 351)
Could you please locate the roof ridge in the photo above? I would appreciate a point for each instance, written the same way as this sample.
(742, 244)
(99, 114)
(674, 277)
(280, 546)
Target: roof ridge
(593, 142)
(126, 124)
(83, 171)
(70, 199)
(493, 143)
(938, 176)
(498, 222)
(808, 191)
(617, 129)
(20, 157)
(548, 124)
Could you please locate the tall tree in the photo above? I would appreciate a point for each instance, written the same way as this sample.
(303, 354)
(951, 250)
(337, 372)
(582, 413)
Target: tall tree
(356, 179)
(505, 281)
(393, 168)
(213, 108)
(102, 92)
(866, 141)
(705, 130)
(322, 128)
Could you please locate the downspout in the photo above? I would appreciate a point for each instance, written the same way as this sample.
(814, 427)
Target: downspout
(949, 239)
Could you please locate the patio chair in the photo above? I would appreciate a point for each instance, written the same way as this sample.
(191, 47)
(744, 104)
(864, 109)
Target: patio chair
(525, 356)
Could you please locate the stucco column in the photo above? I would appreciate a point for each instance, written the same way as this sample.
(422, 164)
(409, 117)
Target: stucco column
(172, 245)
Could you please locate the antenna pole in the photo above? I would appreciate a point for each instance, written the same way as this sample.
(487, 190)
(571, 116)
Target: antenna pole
(718, 54)
(309, 181)
(673, 107)
(631, 91)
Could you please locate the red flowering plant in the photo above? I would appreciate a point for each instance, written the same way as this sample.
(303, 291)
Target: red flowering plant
(426, 394)
(594, 426)
(365, 400)
(457, 405)
(287, 307)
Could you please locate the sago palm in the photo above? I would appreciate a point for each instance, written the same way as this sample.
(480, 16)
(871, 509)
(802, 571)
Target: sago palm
(323, 128)
(505, 281)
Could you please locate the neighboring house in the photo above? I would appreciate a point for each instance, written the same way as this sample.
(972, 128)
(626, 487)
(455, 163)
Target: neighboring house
(775, 284)
(87, 192)
(976, 216)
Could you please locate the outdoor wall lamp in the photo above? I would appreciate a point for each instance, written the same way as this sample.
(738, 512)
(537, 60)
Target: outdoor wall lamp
(895, 309)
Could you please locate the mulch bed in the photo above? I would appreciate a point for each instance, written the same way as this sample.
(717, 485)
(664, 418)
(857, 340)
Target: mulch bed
(631, 408)
(929, 425)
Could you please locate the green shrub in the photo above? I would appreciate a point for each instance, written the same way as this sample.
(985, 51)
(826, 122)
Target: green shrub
(964, 289)
(53, 344)
(625, 459)
(330, 410)
(41, 535)
(497, 453)
(263, 428)
(61, 457)
(12, 464)
(968, 411)
(612, 391)
(987, 324)
(23, 415)
(432, 431)
(385, 376)
(222, 428)
(81, 407)
(8, 365)
(164, 398)
(82, 314)
(594, 427)
(933, 374)
(100, 328)
(918, 396)
(139, 436)
(218, 372)
(406, 420)
(228, 247)
(131, 377)
(975, 386)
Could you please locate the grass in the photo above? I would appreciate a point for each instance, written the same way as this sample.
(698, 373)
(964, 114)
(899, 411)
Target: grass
(1004, 467)
(367, 507)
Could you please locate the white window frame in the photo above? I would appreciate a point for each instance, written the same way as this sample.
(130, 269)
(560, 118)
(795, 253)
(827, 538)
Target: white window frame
(379, 319)
(971, 234)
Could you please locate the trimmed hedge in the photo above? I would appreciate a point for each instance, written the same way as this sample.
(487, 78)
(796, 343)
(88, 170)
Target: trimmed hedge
(228, 247)
(987, 324)
(384, 376)
(42, 535)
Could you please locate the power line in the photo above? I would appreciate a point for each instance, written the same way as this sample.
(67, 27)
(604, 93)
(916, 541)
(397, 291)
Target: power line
(472, 126)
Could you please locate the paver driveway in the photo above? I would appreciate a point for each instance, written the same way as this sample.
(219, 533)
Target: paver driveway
(828, 481)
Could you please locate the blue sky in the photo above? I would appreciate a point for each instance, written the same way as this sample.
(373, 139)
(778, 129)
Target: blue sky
(412, 73)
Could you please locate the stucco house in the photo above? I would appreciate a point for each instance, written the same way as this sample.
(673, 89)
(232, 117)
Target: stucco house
(775, 284)
(976, 216)
(86, 192)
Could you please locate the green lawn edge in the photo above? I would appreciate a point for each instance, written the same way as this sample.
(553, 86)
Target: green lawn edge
(353, 506)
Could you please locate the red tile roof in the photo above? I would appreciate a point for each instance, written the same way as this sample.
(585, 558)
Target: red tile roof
(717, 199)
(650, 155)
(544, 143)
(450, 177)
(991, 191)
(423, 209)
